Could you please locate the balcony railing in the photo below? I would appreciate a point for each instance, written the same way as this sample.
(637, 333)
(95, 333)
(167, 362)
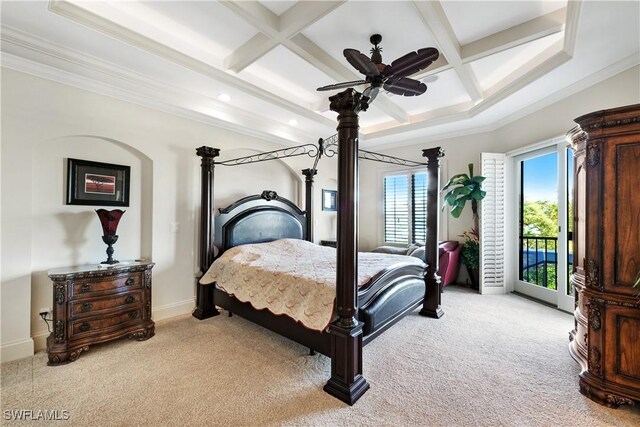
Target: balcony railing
(539, 260)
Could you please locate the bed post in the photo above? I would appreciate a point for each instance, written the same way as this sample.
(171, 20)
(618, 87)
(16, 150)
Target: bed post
(346, 382)
(308, 198)
(205, 306)
(432, 298)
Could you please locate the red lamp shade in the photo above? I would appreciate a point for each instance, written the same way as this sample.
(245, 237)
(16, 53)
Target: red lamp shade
(109, 220)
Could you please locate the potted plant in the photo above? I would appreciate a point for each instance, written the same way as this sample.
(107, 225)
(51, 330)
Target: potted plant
(463, 188)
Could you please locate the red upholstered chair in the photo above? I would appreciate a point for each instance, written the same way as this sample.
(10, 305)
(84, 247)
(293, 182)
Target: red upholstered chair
(449, 261)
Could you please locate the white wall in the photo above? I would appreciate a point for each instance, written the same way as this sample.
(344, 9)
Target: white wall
(43, 124)
(552, 121)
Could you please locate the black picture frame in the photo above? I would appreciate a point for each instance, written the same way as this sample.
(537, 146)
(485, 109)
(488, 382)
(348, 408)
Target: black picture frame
(329, 200)
(97, 184)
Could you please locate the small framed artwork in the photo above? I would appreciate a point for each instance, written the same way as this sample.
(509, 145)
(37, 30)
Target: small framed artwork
(95, 183)
(329, 200)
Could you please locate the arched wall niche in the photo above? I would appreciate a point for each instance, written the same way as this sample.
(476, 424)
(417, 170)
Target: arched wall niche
(65, 235)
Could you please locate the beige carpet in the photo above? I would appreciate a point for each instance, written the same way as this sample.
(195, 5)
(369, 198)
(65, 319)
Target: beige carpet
(491, 360)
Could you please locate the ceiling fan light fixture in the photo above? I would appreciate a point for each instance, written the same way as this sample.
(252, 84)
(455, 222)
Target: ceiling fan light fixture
(224, 97)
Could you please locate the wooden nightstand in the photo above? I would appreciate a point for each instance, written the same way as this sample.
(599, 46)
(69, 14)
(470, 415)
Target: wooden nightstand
(94, 305)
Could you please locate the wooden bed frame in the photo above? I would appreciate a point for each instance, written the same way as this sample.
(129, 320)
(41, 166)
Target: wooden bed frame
(244, 222)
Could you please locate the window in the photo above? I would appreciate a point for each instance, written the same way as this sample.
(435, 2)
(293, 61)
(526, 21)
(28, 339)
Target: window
(405, 207)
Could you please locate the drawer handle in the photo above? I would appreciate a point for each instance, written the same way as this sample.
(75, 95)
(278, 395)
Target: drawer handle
(84, 327)
(133, 315)
(86, 287)
(129, 299)
(129, 281)
(87, 306)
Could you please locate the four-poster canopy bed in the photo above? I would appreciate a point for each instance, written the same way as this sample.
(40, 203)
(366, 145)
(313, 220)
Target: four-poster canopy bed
(362, 310)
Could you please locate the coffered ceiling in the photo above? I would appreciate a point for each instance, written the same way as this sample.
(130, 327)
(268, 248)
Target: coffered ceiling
(254, 66)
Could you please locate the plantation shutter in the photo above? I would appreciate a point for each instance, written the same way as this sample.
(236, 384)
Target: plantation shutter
(396, 209)
(492, 225)
(419, 217)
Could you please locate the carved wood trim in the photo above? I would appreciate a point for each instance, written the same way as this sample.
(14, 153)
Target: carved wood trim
(614, 123)
(592, 274)
(147, 279)
(593, 153)
(61, 292)
(58, 331)
(594, 361)
(613, 401)
(594, 314)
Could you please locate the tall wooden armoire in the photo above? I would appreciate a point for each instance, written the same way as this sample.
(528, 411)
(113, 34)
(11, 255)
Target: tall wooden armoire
(606, 338)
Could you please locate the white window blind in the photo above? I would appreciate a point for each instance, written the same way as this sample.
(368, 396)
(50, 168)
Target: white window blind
(405, 207)
(492, 224)
(419, 217)
(396, 209)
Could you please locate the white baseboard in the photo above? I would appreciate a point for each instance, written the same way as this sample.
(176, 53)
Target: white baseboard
(40, 340)
(159, 313)
(15, 350)
(500, 290)
(173, 309)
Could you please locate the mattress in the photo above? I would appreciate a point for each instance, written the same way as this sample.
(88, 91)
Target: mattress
(292, 277)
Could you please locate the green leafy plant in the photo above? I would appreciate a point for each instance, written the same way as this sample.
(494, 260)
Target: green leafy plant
(470, 251)
(464, 188)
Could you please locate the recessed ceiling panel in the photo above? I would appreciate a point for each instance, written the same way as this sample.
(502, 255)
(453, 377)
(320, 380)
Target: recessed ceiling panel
(447, 90)
(473, 20)
(286, 74)
(205, 30)
(493, 68)
(352, 24)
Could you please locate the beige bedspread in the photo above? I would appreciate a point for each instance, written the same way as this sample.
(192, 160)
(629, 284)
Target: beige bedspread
(291, 277)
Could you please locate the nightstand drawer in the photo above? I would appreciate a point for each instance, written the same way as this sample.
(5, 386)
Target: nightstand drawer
(91, 326)
(94, 306)
(84, 287)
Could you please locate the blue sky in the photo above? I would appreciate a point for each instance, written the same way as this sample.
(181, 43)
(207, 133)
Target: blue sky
(541, 178)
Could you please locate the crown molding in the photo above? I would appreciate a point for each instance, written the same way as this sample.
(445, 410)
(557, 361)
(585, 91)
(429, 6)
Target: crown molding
(248, 126)
(591, 80)
(98, 23)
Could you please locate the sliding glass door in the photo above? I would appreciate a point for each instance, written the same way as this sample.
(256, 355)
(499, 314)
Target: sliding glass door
(544, 238)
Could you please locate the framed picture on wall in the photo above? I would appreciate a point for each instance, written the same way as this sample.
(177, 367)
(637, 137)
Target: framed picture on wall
(95, 183)
(329, 200)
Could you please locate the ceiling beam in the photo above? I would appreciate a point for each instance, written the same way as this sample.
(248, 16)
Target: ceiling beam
(273, 29)
(571, 27)
(436, 20)
(105, 26)
(526, 32)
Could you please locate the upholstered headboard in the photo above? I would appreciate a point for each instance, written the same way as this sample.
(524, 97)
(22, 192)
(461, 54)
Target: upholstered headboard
(257, 219)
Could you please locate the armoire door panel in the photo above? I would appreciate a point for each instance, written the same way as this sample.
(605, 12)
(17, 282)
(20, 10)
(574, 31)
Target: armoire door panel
(622, 347)
(627, 220)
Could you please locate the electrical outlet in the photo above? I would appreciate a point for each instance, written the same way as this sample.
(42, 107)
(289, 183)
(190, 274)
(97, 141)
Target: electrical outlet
(44, 311)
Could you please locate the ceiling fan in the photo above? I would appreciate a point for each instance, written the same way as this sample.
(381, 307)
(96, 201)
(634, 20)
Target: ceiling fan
(393, 77)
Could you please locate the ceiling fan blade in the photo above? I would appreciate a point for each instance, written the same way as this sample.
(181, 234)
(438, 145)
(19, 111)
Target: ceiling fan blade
(361, 62)
(371, 92)
(405, 86)
(342, 85)
(412, 62)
